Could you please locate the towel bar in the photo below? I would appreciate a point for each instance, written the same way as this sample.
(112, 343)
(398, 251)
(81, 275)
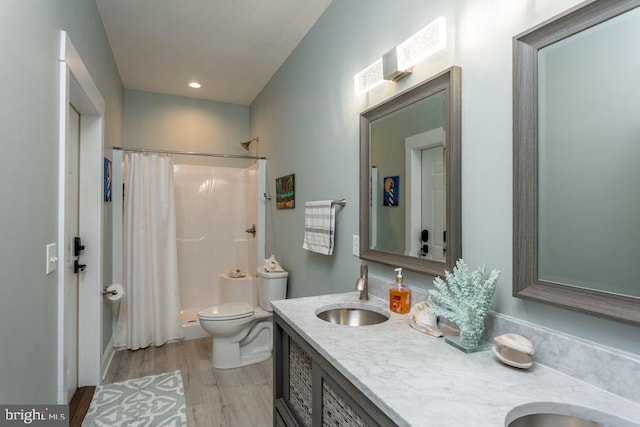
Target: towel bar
(341, 202)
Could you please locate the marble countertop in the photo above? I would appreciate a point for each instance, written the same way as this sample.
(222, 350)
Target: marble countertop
(418, 380)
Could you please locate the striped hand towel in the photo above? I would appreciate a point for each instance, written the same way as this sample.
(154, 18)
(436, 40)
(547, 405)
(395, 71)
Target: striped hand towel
(319, 226)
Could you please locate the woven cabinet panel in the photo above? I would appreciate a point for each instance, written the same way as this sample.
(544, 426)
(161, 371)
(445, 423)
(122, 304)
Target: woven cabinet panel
(336, 412)
(300, 383)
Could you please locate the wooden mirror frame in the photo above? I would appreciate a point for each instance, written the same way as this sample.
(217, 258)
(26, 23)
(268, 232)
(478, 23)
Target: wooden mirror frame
(526, 283)
(449, 81)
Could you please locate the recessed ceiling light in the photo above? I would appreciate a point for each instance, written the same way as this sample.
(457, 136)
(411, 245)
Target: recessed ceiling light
(195, 85)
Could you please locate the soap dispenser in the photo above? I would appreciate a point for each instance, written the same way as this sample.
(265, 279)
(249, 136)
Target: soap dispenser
(399, 295)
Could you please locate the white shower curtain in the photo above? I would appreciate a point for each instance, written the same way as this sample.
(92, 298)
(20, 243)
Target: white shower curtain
(150, 311)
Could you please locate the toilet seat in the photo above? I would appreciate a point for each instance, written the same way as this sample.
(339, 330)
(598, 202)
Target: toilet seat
(228, 311)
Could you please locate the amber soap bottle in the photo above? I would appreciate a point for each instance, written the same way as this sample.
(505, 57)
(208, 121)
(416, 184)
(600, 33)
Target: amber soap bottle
(399, 295)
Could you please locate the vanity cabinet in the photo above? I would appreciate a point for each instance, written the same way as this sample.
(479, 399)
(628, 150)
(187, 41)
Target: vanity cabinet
(309, 392)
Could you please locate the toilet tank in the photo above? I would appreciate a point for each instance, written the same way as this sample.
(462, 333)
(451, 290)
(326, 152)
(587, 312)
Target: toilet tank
(271, 287)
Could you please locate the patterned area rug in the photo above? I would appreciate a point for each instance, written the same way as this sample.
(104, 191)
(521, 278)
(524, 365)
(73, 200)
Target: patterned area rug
(156, 400)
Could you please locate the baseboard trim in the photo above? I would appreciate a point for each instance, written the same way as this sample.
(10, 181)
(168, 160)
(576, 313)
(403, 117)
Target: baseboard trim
(107, 357)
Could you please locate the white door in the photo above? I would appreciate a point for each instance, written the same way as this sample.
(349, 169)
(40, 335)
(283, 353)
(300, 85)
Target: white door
(71, 278)
(425, 194)
(433, 201)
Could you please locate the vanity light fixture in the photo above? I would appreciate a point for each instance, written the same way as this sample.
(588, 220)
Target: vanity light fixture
(391, 71)
(397, 63)
(370, 77)
(195, 85)
(422, 44)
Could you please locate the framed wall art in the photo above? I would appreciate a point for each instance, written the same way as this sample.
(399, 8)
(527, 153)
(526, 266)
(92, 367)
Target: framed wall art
(285, 192)
(391, 190)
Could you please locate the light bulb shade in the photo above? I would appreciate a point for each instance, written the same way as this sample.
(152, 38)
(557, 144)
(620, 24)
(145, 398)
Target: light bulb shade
(422, 44)
(369, 78)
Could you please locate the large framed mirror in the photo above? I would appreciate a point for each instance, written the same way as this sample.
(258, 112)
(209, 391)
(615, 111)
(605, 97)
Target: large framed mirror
(410, 177)
(576, 204)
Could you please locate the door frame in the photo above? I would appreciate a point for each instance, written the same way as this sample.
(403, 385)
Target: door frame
(77, 85)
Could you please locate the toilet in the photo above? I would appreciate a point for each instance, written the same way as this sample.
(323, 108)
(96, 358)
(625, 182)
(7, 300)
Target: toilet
(242, 331)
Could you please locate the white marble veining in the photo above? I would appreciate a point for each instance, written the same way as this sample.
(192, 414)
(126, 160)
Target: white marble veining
(612, 370)
(419, 380)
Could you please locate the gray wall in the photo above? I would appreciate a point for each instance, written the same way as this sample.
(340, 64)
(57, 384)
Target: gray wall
(29, 177)
(307, 120)
(169, 122)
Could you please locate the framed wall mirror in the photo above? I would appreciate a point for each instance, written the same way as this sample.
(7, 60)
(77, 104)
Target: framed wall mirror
(576, 204)
(410, 177)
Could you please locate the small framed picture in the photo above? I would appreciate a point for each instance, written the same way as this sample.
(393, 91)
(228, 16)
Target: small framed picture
(285, 192)
(391, 190)
(107, 180)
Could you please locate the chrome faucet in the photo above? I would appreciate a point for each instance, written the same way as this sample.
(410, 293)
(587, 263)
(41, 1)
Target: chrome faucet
(362, 284)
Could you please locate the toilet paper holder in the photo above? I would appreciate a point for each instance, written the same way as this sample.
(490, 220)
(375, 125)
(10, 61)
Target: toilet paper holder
(113, 292)
(106, 291)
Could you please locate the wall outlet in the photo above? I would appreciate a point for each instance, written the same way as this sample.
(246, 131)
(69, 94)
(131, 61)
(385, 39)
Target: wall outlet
(356, 245)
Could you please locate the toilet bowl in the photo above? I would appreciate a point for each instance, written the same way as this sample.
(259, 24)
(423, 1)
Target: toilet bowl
(243, 333)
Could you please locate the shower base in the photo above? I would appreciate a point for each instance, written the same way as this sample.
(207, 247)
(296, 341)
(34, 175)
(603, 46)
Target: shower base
(190, 325)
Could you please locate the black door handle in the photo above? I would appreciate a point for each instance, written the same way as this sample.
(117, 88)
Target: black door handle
(77, 246)
(78, 267)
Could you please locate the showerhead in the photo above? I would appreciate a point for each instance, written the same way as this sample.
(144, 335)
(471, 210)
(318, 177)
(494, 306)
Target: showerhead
(246, 144)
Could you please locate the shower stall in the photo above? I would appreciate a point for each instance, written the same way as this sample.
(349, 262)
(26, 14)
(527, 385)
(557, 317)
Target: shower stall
(217, 233)
(220, 223)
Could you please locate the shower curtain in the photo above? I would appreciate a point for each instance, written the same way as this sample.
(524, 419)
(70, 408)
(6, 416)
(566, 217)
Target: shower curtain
(150, 311)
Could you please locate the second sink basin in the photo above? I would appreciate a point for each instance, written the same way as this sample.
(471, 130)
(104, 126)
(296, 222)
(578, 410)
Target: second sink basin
(547, 414)
(542, 420)
(352, 316)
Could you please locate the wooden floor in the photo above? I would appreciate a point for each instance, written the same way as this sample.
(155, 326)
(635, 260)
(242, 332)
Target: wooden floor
(215, 397)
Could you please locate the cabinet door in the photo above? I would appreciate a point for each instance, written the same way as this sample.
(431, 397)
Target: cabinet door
(300, 384)
(292, 380)
(310, 392)
(338, 408)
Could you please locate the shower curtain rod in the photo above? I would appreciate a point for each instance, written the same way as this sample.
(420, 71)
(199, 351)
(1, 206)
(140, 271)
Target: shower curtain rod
(190, 153)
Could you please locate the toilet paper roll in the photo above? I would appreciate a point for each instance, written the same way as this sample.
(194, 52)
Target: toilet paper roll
(119, 292)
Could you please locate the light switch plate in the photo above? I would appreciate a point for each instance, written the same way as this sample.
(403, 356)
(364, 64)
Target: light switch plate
(356, 245)
(52, 258)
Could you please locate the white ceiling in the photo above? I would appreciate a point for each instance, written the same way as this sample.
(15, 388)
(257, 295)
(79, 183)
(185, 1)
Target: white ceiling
(232, 47)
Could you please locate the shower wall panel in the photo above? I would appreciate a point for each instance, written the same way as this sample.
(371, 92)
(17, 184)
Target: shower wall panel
(214, 207)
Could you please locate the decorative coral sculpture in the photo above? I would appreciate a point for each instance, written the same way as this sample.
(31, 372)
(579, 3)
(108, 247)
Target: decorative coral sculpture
(464, 298)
